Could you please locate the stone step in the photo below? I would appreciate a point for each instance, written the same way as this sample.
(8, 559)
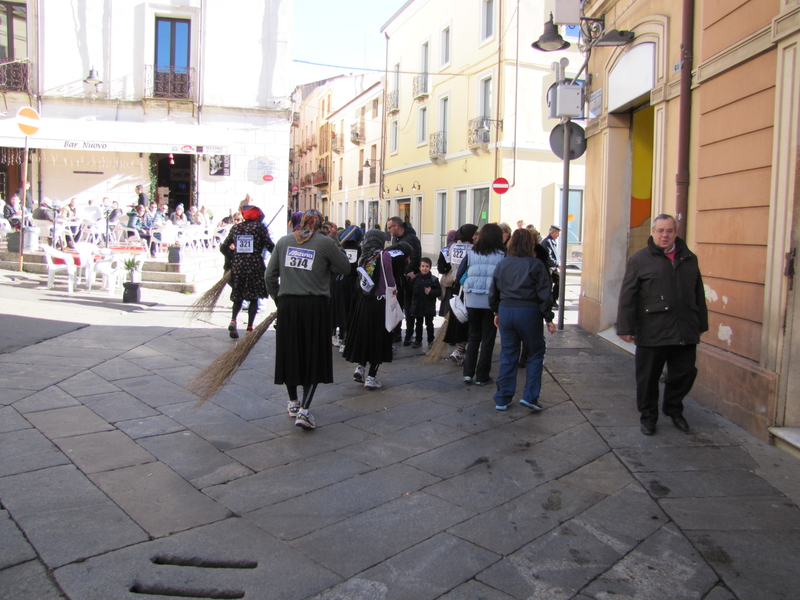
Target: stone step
(787, 439)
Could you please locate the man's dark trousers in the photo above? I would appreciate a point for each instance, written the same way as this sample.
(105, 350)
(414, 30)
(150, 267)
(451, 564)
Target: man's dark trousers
(650, 360)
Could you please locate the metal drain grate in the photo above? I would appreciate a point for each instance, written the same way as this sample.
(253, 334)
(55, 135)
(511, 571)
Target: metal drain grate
(161, 589)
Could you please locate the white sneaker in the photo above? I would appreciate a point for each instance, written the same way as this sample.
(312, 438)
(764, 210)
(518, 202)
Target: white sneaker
(358, 374)
(293, 408)
(305, 421)
(372, 384)
(335, 340)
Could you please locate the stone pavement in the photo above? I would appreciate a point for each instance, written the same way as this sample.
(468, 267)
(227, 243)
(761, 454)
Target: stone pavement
(112, 484)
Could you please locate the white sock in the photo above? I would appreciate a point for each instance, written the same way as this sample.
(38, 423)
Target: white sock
(304, 411)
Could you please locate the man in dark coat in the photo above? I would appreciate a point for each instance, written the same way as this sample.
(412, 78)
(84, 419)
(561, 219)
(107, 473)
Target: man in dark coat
(662, 309)
(403, 232)
(549, 243)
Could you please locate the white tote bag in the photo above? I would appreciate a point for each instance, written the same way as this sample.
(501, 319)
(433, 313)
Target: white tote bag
(394, 312)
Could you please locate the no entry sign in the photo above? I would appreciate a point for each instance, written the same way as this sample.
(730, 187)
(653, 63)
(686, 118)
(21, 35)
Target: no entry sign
(500, 185)
(28, 120)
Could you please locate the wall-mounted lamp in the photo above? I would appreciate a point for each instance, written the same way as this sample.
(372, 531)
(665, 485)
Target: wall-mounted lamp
(171, 159)
(369, 166)
(484, 126)
(93, 78)
(592, 30)
(416, 186)
(386, 189)
(398, 189)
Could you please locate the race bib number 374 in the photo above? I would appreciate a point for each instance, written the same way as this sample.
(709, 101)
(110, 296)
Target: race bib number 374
(299, 258)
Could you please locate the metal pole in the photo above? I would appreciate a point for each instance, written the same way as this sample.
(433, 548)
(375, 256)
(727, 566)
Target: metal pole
(22, 202)
(562, 270)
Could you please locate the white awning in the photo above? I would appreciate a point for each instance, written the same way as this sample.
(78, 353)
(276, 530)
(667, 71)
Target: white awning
(117, 136)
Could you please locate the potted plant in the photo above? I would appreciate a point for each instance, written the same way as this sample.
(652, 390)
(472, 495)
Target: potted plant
(132, 292)
(174, 253)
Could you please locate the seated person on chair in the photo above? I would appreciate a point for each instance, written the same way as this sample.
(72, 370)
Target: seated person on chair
(137, 222)
(12, 212)
(44, 211)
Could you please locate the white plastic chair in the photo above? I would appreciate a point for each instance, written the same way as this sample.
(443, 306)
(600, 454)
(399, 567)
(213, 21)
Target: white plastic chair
(86, 251)
(112, 272)
(5, 229)
(68, 265)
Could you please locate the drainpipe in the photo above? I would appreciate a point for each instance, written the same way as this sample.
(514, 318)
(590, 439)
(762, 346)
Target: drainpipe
(382, 162)
(516, 106)
(685, 116)
(38, 93)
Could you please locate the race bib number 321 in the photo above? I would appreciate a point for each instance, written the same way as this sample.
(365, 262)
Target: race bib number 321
(244, 244)
(299, 258)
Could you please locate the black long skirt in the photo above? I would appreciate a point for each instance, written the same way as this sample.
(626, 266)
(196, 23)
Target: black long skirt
(367, 339)
(303, 341)
(457, 332)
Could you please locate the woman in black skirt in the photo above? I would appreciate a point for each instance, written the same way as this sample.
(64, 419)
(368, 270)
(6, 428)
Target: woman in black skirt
(298, 277)
(343, 286)
(457, 332)
(368, 341)
(243, 250)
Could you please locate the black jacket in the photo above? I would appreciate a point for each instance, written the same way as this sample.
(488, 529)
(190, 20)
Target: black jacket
(662, 303)
(521, 281)
(423, 304)
(410, 237)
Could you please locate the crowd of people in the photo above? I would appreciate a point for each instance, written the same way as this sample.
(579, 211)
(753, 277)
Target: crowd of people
(360, 288)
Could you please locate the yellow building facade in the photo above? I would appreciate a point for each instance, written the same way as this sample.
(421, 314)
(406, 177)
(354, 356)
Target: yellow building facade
(465, 105)
(741, 115)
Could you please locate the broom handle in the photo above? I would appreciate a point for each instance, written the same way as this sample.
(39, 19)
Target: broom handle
(276, 215)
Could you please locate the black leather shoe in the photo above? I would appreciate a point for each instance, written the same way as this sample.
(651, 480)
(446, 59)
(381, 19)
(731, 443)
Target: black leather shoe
(648, 428)
(680, 423)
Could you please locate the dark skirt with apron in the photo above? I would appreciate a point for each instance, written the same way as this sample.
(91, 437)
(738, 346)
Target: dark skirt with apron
(303, 341)
(367, 339)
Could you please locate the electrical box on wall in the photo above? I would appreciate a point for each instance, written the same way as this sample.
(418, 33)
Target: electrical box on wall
(569, 100)
(567, 12)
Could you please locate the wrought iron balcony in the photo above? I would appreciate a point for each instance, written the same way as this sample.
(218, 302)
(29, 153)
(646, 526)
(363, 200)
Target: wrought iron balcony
(437, 145)
(312, 141)
(373, 174)
(164, 81)
(337, 143)
(320, 177)
(357, 135)
(393, 101)
(420, 87)
(15, 76)
(296, 119)
(306, 180)
(475, 137)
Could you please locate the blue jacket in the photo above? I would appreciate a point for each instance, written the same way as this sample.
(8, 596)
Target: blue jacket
(479, 269)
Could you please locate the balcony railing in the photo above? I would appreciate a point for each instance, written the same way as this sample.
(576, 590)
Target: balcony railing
(437, 145)
(320, 177)
(393, 101)
(340, 183)
(361, 177)
(420, 87)
(357, 135)
(15, 76)
(306, 180)
(164, 81)
(337, 143)
(373, 174)
(312, 141)
(475, 137)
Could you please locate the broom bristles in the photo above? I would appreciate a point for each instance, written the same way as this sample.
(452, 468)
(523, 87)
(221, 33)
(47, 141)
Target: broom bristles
(204, 305)
(437, 349)
(221, 369)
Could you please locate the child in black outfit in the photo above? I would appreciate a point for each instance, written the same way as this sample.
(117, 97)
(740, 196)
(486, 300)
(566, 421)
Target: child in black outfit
(426, 290)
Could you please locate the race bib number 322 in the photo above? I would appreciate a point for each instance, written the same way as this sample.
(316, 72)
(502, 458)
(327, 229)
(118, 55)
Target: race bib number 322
(299, 258)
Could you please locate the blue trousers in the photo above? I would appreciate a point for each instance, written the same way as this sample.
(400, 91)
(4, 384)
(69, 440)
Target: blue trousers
(520, 324)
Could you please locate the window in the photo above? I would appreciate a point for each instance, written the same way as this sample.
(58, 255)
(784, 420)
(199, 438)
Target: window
(445, 56)
(574, 215)
(485, 99)
(13, 31)
(393, 146)
(171, 74)
(462, 208)
(375, 108)
(487, 19)
(444, 114)
(480, 206)
(13, 47)
(441, 218)
(422, 125)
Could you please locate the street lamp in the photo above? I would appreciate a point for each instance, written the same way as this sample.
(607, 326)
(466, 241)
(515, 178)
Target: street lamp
(551, 41)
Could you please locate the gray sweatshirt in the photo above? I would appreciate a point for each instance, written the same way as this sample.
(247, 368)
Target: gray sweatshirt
(521, 281)
(304, 269)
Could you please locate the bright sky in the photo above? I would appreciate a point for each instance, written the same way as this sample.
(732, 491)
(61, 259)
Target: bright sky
(346, 33)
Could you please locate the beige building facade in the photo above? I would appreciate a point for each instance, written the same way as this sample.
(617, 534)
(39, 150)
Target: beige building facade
(740, 218)
(465, 105)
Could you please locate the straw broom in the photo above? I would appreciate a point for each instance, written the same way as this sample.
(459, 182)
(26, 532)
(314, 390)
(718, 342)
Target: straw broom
(437, 349)
(204, 305)
(219, 372)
